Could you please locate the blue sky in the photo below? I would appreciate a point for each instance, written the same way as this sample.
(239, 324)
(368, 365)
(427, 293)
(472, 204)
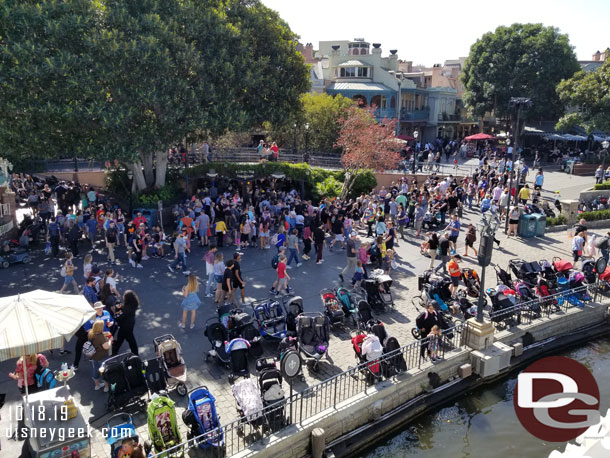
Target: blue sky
(429, 32)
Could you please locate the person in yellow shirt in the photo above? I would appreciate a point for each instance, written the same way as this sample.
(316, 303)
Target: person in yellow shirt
(524, 194)
(221, 230)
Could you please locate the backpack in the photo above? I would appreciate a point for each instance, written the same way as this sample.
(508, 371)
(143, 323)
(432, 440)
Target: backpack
(88, 349)
(44, 377)
(602, 243)
(275, 261)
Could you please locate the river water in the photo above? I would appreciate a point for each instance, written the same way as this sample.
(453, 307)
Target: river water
(484, 423)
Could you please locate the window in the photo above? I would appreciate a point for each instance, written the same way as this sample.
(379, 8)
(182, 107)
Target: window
(384, 102)
(363, 72)
(353, 72)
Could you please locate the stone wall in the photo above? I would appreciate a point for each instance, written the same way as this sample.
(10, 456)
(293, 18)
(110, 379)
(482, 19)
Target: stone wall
(8, 214)
(93, 178)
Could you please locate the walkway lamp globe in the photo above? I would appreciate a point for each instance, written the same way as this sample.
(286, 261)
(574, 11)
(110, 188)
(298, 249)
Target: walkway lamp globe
(605, 144)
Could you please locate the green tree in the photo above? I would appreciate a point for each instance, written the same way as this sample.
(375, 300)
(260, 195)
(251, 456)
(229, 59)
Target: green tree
(139, 76)
(591, 92)
(523, 60)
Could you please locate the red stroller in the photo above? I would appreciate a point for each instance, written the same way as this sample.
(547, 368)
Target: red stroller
(368, 349)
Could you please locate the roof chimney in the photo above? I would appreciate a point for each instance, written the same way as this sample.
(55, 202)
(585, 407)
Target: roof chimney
(376, 49)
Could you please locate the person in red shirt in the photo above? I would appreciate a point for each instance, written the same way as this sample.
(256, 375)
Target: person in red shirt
(275, 151)
(139, 220)
(100, 214)
(454, 272)
(282, 276)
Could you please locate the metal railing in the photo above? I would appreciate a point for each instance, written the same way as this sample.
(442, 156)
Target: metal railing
(543, 307)
(328, 394)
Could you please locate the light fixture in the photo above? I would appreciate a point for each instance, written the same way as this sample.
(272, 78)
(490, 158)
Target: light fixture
(278, 175)
(416, 134)
(508, 141)
(306, 126)
(212, 173)
(605, 144)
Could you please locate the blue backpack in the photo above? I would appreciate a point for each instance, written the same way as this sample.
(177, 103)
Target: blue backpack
(45, 379)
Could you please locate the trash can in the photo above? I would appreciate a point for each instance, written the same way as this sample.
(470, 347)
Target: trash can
(540, 224)
(527, 226)
(149, 213)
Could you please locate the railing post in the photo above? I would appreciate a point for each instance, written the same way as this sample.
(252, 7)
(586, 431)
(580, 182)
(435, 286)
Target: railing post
(336, 382)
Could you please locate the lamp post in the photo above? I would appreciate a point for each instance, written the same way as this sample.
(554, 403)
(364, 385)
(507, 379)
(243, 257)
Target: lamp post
(306, 155)
(294, 137)
(519, 103)
(487, 229)
(605, 145)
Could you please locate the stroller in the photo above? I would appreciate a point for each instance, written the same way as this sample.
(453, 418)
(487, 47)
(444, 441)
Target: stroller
(271, 318)
(201, 418)
(504, 277)
(169, 352)
(501, 302)
(368, 350)
(237, 350)
(162, 425)
(350, 308)
(332, 308)
(249, 402)
(548, 274)
(432, 220)
(588, 270)
(290, 359)
(122, 436)
(439, 291)
(562, 267)
(270, 384)
(241, 325)
(313, 334)
(525, 271)
(393, 361)
(384, 283)
(527, 296)
(470, 277)
(576, 280)
(293, 305)
(217, 334)
(461, 302)
(124, 374)
(544, 293)
(365, 314)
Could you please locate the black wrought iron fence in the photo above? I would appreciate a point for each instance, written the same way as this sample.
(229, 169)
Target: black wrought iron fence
(298, 407)
(543, 307)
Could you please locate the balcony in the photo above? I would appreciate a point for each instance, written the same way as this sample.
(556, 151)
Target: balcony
(448, 117)
(388, 113)
(415, 115)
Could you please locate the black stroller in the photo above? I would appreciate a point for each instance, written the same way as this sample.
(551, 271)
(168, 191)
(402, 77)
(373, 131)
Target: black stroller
(504, 277)
(384, 283)
(313, 334)
(393, 361)
(217, 334)
(125, 377)
(548, 273)
(501, 302)
(270, 384)
(240, 324)
(237, 350)
(525, 271)
(293, 305)
(365, 314)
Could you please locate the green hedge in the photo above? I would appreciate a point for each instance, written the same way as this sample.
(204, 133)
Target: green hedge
(595, 215)
(561, 219)
(319, 182)
(602, 186)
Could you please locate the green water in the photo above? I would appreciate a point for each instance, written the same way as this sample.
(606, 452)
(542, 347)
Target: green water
(484, 424)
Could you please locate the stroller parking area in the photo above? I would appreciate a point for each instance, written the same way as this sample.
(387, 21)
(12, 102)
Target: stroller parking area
(159, 293)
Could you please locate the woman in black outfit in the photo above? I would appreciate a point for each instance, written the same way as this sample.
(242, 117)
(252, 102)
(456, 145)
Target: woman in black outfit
(126, 319)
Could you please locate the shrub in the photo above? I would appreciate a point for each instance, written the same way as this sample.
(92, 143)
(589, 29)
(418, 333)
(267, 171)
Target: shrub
(602, 186)
(561, 219)
(117, 182)
(330, 187)
(168, 194)
(595, 215)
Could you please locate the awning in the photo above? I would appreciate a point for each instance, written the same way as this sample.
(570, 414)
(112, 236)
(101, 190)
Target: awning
(352, 63)
(359, 87)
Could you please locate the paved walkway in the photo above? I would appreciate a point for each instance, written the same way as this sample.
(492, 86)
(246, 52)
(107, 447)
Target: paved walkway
(159, 291)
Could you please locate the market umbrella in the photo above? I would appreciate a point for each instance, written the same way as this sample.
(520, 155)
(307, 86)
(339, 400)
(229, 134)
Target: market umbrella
(479, 137)
(38, 321)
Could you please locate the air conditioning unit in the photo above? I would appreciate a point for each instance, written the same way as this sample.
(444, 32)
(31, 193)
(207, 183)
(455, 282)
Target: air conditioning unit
(491, 360)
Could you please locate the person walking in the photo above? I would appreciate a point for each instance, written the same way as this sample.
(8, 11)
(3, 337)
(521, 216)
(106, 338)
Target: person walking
(282, 277)
(307, 236)
(227, 283)
(238, 281)
(444, 252)
(454, 231)
(433, 243)
(126, 320)
(471, 237)
(191, 301)
(319, 240)
(102, 344)
(293, 248)
(219, 270)
(68, 274)
(179, 257)
(111, 237)
(513, 221)
(455, 273)
(209, 270)
(352, 255)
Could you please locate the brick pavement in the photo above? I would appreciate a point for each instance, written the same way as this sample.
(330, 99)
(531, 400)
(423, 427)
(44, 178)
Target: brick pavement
(159, 292)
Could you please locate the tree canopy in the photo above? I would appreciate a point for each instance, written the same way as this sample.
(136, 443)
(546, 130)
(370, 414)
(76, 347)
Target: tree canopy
(523, 60)
(125, 80)
(591, 93)
(366, 145)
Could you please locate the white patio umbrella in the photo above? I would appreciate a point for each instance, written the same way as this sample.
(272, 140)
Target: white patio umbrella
(38, 321)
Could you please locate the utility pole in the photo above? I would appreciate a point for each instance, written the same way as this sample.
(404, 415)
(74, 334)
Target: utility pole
(519, 103)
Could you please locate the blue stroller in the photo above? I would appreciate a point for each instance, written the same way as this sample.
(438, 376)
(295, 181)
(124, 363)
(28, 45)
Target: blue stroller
(271, 319)
(122, 436)
(202, 420)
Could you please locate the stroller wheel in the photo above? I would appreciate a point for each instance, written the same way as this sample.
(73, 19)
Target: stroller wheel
(181, 389)
(416, 333)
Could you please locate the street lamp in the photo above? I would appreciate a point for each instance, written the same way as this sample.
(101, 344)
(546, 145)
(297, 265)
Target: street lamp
(306, 155)
(519, 103)
(294, 136)
(487, 229)
(605, 145)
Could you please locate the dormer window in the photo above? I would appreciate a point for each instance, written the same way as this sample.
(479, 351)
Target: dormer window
(352, 69)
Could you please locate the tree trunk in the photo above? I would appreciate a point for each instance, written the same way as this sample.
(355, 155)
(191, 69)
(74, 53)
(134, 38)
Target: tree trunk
(161, 170)
(138, 176)
(149, 175)
(347, 184)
